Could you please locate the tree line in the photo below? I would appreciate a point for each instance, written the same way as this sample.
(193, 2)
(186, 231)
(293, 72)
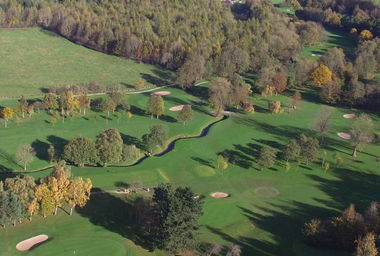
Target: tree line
(351, 231)
(23, 197)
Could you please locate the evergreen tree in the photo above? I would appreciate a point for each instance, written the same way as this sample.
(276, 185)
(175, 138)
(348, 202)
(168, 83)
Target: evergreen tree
(178, 211)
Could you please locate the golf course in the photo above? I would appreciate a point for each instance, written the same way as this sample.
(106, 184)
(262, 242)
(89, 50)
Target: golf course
(265, 210)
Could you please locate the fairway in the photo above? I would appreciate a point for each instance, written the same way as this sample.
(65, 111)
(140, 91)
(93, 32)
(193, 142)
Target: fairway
(266, 209)
(35, 59)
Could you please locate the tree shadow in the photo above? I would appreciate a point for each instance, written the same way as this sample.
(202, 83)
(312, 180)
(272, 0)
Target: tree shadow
(116, 215)
(203, 161)
(129, 86)
(121, 184)
(153, 79)
(131, 140)
(271, 143)
(41, 149)
(8, 157)
(137, 111)
(199, 92)
(168, 118)
(237, 158)
(58, 143)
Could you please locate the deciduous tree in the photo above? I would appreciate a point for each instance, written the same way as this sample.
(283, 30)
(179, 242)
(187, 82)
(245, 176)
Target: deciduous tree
(110, 146)
(25, 155)
(155, 106)
(267, 158)
(321, 75)
(361, 132)
(80, 151)
(186, 114)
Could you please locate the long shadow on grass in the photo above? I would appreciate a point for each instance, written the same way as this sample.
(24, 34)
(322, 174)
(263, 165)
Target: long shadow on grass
(131, 140)
(58, 143)
(116, 215)
(203, 161)
(137, 111)
(41, 149)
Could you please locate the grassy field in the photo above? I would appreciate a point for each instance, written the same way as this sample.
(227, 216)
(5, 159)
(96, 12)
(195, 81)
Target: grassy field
(35, 59)
(266, 209)
(335, 38)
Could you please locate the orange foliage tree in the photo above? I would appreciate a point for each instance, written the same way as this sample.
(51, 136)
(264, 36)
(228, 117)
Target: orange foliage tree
(321, 75)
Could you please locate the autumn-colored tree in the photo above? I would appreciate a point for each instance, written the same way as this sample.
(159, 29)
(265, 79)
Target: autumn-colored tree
(140, 84)
(6, 113)
(78, 193)
(58, 183)
(155, 105)
(45, 199)
(30, 110)
(185, 114)
(130, 152)
(280, 82)
(321, 75)
(25, 155)
(274, 107)
(22, 106)
(321, 124)
(222, 162)
(84, 102)
(296, 99)
(365, 35)
(220, 94)
(331, 92)
(366, 246)
(50, 101)
(309, 148)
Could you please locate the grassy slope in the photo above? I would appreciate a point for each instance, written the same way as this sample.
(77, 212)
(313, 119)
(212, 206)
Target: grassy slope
(32, 59)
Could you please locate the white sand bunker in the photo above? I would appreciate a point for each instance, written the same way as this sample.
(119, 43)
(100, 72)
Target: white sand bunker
(266, 192)
(344, 135)
(220, 195)
(177, 108)
(162, 93)
(31, 242)
(316, 55)
(349, 116)
(228, 113)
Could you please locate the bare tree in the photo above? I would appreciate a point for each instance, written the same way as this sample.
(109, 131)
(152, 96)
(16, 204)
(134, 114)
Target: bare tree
(214, 249)
(24, 155)
(321, 123)
(361, 132)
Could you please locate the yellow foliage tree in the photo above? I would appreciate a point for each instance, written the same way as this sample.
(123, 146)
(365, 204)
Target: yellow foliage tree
(365, 35)
(45, 199)
(78, 193)
(321, 75)
(275, 107)
(6, 113)
(222, 162)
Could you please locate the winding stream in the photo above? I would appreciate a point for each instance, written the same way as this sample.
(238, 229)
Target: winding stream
(169, 148)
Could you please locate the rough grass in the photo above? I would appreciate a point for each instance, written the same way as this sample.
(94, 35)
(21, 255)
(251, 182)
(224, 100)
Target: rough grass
(35, 59)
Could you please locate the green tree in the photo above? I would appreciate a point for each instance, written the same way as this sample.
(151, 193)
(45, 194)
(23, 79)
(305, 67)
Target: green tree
(155, 105)
(80, 151)
(267, 158)
(309, 148)
(10, 209)
(292, 150)
(108, 105)
(186, 114)
(156, 137)
(25, 155)
(130, 152)
(178, 210)
(109, 145)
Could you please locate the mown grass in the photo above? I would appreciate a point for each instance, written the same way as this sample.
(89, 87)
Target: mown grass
(261, 225)
(335, 38)
(35, 59)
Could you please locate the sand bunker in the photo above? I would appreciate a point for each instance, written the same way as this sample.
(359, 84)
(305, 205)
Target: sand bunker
(344, 135)
(177, 108)
(31, 242)
(228, 113)
(266, 192)
(316, 55)
(349, 116)
(220, 195)
(162, 93)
